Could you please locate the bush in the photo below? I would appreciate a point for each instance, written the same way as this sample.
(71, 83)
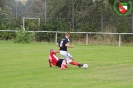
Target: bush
(6, 35)
(23, 36)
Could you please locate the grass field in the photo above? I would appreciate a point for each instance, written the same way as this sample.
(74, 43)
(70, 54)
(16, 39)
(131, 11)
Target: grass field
(26, 66)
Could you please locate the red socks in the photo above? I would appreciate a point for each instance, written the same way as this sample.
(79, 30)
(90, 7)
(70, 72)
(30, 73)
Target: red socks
(74, 63)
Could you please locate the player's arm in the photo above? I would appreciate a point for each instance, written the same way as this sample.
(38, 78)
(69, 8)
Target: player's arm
(49, 63)
(57, 44)
(56, 51)
(70, 46)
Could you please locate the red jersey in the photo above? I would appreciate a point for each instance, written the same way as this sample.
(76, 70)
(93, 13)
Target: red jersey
(53, 58)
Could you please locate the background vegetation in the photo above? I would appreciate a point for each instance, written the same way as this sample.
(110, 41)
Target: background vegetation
(62, 15)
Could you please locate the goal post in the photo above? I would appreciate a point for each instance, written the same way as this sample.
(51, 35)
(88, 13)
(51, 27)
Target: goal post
(24, 19)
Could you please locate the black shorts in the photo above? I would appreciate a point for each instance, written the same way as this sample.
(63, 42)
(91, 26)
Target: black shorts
(59, 62)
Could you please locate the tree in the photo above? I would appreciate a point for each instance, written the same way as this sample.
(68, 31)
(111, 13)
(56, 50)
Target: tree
(2, 3)
(35, 8)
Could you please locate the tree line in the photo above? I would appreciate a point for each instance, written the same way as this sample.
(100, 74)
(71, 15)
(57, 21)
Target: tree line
(62, 15)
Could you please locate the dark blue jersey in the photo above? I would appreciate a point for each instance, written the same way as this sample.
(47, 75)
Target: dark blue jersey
(62, 43)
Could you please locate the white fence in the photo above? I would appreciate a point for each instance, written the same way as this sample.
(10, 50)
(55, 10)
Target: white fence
(87, 39)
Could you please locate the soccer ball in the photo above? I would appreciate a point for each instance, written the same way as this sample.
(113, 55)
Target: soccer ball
(85, 66)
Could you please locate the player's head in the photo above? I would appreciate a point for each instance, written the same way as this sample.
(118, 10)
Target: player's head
(67, 34)
(51, 50)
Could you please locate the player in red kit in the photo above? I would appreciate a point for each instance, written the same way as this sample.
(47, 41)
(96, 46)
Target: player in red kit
(54, 60)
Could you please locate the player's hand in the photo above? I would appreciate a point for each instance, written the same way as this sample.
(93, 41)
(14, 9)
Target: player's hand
(57, 44)
(50, 65)
(72, 59)
(72, 46)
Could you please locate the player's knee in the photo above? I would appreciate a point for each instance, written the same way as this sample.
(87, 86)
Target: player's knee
(69, 61)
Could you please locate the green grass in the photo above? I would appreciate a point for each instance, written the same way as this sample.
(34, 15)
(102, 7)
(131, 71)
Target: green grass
(26, 66)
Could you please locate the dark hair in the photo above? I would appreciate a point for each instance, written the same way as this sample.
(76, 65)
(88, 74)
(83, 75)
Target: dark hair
(51, 50)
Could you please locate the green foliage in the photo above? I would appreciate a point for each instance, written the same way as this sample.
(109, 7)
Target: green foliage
(6, 35)
(6, 21)
(88, 17)
(127, 38)
(2, 16)
(23, 36)
(32, 25)
(35, 8)
(49, 37)
(52, 25)
(2, 3)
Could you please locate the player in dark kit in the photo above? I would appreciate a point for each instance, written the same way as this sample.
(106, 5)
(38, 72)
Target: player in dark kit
(63, 44)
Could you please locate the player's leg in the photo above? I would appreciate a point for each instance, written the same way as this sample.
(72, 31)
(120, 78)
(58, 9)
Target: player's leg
(70, 60)
(61, 63)
(76, 64)
(64, 63)
(66, 56)
(63, 54)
